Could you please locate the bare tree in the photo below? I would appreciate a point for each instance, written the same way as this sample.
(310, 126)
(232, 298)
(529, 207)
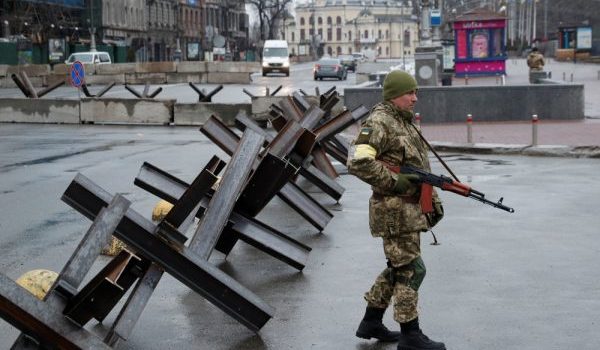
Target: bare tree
(269, 11)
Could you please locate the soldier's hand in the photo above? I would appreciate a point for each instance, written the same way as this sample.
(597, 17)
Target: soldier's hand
(406, 184)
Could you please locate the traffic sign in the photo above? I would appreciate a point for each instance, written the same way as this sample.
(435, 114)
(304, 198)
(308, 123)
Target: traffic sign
(77, 74)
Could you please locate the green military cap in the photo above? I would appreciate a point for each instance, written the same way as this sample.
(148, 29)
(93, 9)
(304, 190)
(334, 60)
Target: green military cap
(397, 83)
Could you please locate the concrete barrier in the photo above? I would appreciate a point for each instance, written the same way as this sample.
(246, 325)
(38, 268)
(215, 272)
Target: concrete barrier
(129, 111)
(179, 78)
(25, 110)
(198, 113)
(228, 78)
(140, 73)
(486, 103)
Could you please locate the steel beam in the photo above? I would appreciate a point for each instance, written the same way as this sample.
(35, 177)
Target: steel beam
(248, 229)
(222, 203)
(47, 326)
(186, 266)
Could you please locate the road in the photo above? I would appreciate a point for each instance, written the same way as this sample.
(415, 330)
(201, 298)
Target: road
(498, 281)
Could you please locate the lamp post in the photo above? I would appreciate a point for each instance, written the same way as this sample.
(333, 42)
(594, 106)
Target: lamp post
(92, 28)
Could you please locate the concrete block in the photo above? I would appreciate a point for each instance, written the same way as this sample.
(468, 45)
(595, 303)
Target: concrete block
(486, 103)
(261, 104)
(105, 79)
(142, 78)
(156, 67)
(54, 78)
(234, 67)
(178, 78)
(198, 113)
(116, 68)
(32, 70)
(228, 78)
(192, 67)
(53, 111)
(60, 68)
(130, 111)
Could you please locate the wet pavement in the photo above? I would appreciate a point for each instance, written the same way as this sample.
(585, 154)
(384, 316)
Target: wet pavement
(498, 281)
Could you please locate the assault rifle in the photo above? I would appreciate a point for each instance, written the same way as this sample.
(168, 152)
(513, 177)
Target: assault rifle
(447, 184)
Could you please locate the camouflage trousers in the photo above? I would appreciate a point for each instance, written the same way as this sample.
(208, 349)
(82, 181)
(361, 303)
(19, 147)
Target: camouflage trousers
(401, 279)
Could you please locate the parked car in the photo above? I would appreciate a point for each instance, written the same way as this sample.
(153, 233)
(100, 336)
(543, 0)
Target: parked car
(349, 62)
(89, 57)
(330, 68)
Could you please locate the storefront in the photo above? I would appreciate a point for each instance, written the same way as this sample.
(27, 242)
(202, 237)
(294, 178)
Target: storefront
(480, 47)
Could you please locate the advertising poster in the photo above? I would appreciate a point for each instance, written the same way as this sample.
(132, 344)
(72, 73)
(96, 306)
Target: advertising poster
(584, 38)
(56, 50)
(193, 51)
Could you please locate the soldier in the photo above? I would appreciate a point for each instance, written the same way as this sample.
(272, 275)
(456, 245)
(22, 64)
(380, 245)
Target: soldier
(535, 60)
(387, 140)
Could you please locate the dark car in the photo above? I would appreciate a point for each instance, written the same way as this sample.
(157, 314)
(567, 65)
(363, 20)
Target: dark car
(330, 68)
(348, 61)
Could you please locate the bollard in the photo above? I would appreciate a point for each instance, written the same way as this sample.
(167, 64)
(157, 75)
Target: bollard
(469, 128)
(466, 80)
(503, 79)
(418, 119)
(564, 76)
(571, 77)
(534, 130)
(599, 75)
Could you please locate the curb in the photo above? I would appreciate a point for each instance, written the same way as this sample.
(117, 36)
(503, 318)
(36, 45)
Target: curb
(525, 150)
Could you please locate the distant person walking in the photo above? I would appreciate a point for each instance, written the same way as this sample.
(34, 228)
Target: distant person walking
(535, 60)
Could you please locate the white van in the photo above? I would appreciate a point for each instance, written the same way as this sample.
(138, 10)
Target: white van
(89, 57)
(276, 57)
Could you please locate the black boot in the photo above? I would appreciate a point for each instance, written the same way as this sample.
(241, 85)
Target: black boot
(412, 338)
(372, 326)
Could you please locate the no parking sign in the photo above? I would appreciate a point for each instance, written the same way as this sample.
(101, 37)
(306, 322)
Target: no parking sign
(77, 74)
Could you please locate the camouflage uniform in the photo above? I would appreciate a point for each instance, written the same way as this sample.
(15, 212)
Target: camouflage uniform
(535, 61)
(396, 218)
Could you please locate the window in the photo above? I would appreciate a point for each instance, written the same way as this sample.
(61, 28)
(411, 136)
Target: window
(350, 35)
(293, 36)
(311, 20)
(339, 50)
(301, 21)
(406, 40)
(366, 34)
(329, 20)
(338, 34)
(320, 33)
(350, 50)
(338, 20)
(387, 34)
(379, 34)
(320, 21)
(329, 34)
(329, 51)
(302, 35)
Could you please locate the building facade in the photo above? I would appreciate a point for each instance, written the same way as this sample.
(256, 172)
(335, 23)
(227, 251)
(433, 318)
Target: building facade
(384, 28)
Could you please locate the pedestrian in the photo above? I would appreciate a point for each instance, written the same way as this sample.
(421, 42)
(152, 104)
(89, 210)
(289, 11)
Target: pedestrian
(535, 60)
(389, 139)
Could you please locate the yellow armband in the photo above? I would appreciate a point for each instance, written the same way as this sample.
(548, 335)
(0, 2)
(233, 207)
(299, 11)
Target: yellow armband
(365, 151)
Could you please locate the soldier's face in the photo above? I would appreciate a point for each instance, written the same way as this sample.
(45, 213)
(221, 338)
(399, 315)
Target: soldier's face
(407, 101)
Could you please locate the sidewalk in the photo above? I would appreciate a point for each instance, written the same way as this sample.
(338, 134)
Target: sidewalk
(579, 138)
(555, 138)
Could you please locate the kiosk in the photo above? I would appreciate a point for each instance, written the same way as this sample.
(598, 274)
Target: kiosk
(480, 47)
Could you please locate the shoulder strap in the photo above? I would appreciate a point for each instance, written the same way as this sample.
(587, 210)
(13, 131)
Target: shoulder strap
(435, 153)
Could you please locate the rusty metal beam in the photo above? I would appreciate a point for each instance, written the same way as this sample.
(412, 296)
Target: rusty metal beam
(247, 229)
(186, 266)
(222, 203)
(47, 326)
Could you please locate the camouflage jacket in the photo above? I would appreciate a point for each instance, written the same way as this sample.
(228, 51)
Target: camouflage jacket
(390, 132)
(535, 61)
